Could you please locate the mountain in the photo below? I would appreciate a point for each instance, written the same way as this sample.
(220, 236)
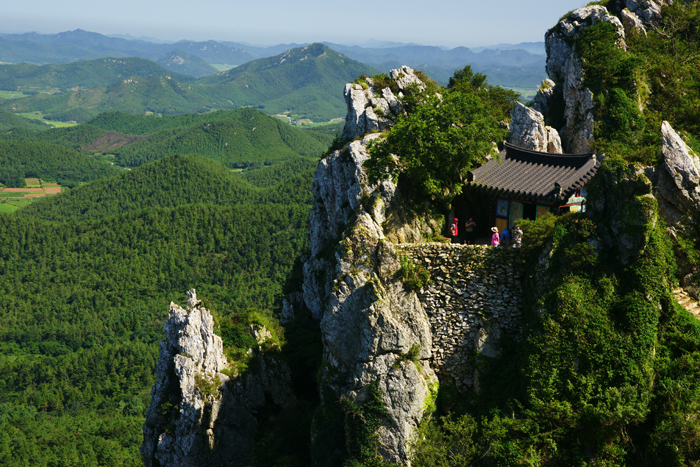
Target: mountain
(264, 51)
(76, 45)
(246, 138)
(201, 180)
(536, 48)
(306, 81)
(508, 67)
(237, 138)
(412, 55)
(48, 162)
(186, 64)
(82, 74)
(158, 94)
(8, 120)
(215, 52)
(87, 299)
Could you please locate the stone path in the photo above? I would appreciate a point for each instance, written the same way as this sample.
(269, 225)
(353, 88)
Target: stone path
(687, 302)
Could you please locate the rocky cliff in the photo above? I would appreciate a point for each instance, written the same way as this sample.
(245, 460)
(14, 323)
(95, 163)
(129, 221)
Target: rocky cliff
(564, 69)
(200, 413)
(377, 331)
(367, 319)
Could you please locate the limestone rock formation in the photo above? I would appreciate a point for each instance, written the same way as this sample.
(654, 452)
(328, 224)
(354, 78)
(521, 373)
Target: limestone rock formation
(544, 96)
(405, 77)
(648, 11)
(619, 203)
(678, 189)
(632, 23)
(373, 109)
(198, 415)
(528, 131)
(368, 319)
(564, 68)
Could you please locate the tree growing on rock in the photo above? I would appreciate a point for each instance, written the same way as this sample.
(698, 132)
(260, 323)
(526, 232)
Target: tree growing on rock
(431, 149)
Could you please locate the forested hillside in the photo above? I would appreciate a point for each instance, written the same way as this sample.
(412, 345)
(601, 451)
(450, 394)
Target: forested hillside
(174, 181)
(9, 120)
(184, 63)
(20, 160)
(238, 138)
(306, 81)
(85, 300)
(83, 74)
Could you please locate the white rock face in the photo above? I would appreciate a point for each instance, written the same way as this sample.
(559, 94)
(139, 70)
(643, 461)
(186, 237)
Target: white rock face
(578, 111)
(198, 416)
(405, 77)
(367, 318)
(529, 131)
(678, 190)
(544, 96)
(564, 68)
(632, 23)
(375, 109)
(648, 11)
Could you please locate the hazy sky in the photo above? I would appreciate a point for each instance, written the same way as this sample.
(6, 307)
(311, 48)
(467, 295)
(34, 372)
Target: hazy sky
(448, 23)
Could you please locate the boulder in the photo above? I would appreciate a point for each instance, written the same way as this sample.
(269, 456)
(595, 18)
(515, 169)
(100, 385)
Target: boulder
(528, 130)
(648, 11)
(405, 77)
(632, 23)
(544, 96)
(371, 109)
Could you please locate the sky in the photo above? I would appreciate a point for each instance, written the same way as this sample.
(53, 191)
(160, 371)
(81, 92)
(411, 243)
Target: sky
(449, 23)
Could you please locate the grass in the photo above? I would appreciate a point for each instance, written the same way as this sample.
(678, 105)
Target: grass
(223, 67)
(33, 182)
(525, 93)
(9, 95)
(40, 116)
(7, 208)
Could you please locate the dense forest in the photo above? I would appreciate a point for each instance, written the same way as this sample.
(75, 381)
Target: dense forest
(20, 160)
(241, 138)
(86, 283)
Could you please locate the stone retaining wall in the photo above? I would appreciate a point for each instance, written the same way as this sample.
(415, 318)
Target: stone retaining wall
(475, 298)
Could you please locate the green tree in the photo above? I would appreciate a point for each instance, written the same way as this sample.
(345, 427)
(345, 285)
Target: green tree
(437, 144)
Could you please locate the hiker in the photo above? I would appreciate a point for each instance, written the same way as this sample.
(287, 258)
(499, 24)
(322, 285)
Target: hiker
(454, 231)
(517, 237)
(469, 231)
(505, 238)
(494, 237)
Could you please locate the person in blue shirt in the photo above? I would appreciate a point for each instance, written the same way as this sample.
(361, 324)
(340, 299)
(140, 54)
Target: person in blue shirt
(505, 238)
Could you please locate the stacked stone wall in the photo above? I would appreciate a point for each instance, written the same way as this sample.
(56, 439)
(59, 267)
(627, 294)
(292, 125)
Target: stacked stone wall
(474, 300)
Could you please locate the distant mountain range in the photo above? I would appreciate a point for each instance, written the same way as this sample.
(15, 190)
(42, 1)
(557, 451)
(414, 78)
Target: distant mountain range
(306, 81)
(76, 45)
(186, 64)
(143, 76)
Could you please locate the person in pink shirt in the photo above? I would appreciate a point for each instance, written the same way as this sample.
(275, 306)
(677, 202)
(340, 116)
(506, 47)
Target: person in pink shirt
(494, 237)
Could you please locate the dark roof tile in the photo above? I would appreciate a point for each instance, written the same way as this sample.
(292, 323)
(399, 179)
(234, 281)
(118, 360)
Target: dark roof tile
(539, 176)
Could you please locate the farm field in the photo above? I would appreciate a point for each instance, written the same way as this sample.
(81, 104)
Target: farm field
(40, 116)
(12, 199)
(9, 95)
(223, 66)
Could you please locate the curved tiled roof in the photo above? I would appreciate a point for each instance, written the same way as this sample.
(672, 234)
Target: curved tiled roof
(539, 176)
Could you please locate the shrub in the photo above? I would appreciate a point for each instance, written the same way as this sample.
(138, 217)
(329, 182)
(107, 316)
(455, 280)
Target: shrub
(412, 274)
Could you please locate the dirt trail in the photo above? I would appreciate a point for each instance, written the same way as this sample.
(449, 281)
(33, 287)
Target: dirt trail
(687, 302)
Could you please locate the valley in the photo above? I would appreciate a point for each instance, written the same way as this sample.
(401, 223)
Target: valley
(305, 192)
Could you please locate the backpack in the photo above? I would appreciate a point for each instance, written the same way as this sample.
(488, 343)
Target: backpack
(453, 228)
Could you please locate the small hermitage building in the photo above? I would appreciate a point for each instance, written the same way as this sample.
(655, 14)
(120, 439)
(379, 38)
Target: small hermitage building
(527, 184)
